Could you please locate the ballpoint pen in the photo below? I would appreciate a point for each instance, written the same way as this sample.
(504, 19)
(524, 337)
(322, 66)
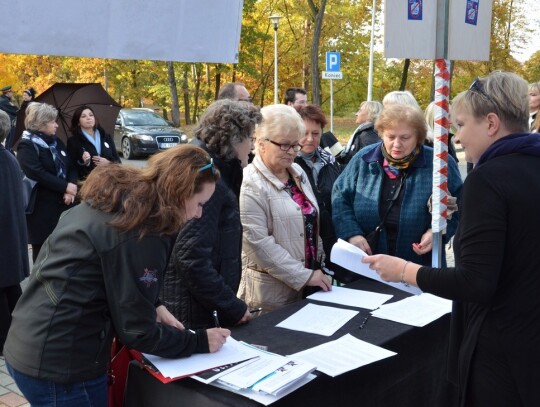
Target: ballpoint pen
(216, 319)
(254, 310)
(364, 321)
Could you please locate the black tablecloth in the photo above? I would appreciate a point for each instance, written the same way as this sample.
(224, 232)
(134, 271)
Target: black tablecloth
(416, 376)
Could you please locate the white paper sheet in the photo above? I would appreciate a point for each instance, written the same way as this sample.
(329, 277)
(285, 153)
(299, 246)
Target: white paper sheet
(349, 256)
(318, 319)
(344, 354)
(416, 311)
(232, 351)
(351, 298)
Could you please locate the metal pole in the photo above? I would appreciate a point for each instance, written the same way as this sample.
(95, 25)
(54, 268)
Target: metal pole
(276, 101)
(371, 47)
(331, 105)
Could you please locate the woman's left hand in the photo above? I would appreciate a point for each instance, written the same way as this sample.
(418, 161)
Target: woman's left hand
(425, 245)
(165, 317)
(388, 267)
(69, 198)
(100, 161)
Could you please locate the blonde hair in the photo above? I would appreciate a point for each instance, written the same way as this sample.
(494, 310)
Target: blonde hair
(38, 115)
(278, 120)
(394, 115)
(398, 97)
(503, 93)
(373, 108)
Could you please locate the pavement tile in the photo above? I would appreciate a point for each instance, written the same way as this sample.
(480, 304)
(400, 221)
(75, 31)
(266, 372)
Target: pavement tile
(12, 400)
(5, 379)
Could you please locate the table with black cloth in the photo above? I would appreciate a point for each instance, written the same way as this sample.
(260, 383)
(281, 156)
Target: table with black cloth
(416, 376)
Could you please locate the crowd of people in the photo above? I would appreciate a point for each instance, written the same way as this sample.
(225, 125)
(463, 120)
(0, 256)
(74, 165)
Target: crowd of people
(241, 222)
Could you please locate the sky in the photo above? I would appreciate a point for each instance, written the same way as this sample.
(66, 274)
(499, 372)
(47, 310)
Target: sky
(533, 21)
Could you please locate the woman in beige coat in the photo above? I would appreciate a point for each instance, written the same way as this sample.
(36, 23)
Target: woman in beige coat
(279, 213)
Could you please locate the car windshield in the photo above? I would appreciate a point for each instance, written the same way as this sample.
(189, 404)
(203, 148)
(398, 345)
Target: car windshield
(143, 118)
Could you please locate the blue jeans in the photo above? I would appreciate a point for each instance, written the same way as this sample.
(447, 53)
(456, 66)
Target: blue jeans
(45, 393)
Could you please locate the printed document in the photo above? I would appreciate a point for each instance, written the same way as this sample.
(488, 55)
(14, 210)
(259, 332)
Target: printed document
(351, 298)
(349, 256)
(419, 310)
(318, 319)
(344, 354)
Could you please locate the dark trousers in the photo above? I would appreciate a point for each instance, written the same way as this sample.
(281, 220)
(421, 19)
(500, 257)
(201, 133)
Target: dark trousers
(8, 298)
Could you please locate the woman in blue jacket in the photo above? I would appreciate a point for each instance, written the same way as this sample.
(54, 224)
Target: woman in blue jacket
(388, 184)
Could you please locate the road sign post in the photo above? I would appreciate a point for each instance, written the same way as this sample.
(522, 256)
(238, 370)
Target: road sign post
(333, 62)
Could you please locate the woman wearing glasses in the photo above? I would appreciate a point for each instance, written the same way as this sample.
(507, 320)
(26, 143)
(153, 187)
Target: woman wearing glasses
(206, 264)
(280, 216)
(102, 275)
(494, 354)
(380, 201)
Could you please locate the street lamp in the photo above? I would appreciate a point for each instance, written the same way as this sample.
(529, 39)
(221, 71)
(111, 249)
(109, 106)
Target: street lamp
(371, 46)
(275, 20)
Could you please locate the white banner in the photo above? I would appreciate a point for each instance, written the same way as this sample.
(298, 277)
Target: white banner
(165, 30)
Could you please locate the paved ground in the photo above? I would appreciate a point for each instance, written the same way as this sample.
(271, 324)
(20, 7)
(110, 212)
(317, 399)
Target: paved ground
(10, 396)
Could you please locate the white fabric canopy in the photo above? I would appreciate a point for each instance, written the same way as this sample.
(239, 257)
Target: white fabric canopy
(166, 30)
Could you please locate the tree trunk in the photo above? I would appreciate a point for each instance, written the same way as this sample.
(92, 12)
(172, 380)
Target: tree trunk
(197, 78)
(404, 75)
(305, 58)
(318, 14)
(175, 107)
(185, 89)
(218, 81)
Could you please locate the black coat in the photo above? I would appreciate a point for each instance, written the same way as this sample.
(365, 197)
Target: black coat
(497, 274)
(205, 267)
(7, 106)
(50, 188)
(13, 245)
(363, 136)
(77, 144)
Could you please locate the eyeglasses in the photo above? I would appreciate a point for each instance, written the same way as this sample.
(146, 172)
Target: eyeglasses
(248, 99)
(286, 147)
(209, 166)
(478, 87)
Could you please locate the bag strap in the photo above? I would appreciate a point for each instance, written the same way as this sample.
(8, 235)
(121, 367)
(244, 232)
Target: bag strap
(401, 182)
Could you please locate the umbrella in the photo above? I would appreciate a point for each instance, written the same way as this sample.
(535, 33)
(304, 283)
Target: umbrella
(67, 97)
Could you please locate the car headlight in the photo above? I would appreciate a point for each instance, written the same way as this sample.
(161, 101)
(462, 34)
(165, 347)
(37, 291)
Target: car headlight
(184, 138)
(143, 137)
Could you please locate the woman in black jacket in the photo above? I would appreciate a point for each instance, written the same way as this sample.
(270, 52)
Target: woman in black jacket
(205, 267)
(43, 158)
(494, 354)
(89, 146)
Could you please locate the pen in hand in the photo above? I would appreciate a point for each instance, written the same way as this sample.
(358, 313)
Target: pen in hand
(252, 311)
(364, 322)
(216, 319)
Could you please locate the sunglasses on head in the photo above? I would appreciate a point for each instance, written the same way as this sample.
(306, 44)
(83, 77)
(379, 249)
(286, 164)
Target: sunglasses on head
(478, 87)
(209, 166)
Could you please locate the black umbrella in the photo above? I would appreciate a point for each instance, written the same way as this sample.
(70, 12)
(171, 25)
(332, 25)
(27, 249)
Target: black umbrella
(67, 97)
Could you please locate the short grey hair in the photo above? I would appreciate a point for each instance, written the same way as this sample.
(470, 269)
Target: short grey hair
(278, 120)
(399, 97)
(228, 91)
(535, 87)
(226, 123)
(503, 93)
(5, 125)
(38, 115)
(373, 108)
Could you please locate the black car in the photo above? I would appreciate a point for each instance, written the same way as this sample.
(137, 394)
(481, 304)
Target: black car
(141, 132)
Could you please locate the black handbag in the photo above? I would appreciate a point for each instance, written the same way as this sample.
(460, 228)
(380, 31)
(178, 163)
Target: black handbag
(29, 194)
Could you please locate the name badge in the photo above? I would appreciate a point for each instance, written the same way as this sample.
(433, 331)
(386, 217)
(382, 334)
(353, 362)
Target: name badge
(63, 153)
(106, 144)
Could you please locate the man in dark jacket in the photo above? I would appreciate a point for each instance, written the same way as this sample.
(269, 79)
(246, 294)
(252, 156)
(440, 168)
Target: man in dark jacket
(13, 247)
(7, 106)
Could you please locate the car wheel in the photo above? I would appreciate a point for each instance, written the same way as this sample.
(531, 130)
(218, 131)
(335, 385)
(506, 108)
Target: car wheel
(127, 149)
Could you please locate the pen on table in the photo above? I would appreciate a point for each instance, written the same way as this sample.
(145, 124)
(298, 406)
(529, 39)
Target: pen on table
(254, 310)
(216, 319)
(364, 321)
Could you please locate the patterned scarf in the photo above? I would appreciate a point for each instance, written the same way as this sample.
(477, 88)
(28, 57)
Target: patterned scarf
(393, 167)
(48, 142)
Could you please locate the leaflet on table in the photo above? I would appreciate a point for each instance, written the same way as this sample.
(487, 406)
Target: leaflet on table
(419, 310)
(318, 319)
(263, 398)
(231, 352)
(284, 377)
(349, 256)
(208, 376)
(351, 298)
(342, 355)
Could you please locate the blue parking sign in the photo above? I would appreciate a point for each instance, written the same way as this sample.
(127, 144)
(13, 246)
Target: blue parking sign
(333, 61)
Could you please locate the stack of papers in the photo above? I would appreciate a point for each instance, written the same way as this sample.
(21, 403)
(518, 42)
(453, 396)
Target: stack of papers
(416, 311)
(344, 354)
(351, 298)
(349, 256)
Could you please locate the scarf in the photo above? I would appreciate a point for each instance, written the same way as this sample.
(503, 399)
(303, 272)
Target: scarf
(48, 142)
(95, 141)
(520, 143)
(393, 167)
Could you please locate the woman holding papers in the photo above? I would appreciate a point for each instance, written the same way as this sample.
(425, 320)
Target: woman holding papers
(494, 352)
(380, 201)
(280, 216)
(100, 275)
(206, 263)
